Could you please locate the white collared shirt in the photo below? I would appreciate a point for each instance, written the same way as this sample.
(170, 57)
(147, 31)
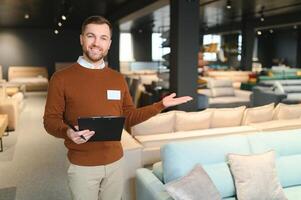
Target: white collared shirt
(83, 62)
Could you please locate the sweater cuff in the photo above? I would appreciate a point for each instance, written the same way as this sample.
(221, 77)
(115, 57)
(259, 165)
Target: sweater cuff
(159, 106)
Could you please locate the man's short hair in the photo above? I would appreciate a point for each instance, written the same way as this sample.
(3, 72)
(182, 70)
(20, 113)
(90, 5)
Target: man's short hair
(96, 20)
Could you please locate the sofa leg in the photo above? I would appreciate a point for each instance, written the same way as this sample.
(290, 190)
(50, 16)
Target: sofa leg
(1, 145)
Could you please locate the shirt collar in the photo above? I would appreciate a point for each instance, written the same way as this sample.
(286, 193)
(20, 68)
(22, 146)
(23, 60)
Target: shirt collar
(81, 60)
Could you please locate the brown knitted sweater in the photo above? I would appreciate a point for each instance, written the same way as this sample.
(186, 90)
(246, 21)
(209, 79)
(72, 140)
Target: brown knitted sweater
(81, 92)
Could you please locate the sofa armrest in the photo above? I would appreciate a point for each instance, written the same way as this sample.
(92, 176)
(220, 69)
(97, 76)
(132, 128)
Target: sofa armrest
(149, 187)
(263, 95)
(132, 161)
(128, 142)
(242, 93)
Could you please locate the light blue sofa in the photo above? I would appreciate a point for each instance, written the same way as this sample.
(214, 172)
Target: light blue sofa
(178, 158)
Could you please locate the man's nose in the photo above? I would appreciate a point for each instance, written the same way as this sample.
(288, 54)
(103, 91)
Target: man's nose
(96, 42)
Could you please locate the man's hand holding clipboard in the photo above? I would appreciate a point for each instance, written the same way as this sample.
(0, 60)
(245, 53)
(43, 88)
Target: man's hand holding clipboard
(77, 136)
(107, 128)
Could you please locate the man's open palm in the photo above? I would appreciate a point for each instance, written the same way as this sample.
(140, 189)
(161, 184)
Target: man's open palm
(170, 100)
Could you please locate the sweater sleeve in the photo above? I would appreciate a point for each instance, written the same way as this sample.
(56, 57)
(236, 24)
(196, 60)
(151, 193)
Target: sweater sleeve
(54, 109)
(137, 115)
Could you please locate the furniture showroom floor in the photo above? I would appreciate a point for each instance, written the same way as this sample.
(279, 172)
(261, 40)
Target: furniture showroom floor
(33, 164)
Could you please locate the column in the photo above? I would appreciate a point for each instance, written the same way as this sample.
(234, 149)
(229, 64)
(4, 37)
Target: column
(113, 55)
(184, 40)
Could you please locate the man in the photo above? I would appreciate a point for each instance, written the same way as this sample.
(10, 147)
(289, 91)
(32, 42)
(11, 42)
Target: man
(83, 89)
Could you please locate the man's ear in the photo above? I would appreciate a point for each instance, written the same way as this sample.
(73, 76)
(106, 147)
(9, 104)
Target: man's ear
(81, 39)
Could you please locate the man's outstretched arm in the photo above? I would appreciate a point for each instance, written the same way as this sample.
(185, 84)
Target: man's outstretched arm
(137, 115)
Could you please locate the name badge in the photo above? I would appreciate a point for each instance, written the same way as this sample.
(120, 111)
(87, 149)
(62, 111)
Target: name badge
(113, 95)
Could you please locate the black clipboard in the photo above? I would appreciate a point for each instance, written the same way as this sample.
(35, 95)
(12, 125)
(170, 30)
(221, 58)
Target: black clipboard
(107, 128)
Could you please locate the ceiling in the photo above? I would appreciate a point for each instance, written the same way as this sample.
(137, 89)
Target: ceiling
(214, 13)
(47, 13)
(157, 21)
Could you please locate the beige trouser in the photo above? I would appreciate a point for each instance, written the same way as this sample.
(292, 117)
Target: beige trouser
(104, 182)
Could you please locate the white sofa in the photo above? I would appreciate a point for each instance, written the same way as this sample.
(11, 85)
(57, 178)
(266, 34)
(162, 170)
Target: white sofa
(237, 77)
(222, 94)
(34, 78)
(179, 125)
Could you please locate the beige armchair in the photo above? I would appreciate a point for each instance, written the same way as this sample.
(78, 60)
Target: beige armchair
(222, 94)
(11, 106)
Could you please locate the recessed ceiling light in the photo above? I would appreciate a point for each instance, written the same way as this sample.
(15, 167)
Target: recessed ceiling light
(271, 31)
(295, 27)
(259, 33)
(59, 24)
(64, 17)
(56, 31)
(228, 6)
(26, 16)
(262, 18)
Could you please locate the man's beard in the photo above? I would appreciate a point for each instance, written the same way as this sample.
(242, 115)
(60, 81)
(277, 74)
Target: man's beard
(94, 58)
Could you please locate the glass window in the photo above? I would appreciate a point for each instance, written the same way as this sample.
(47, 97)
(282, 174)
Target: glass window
(126, 47)
(239, 47)
(157, 50)
(209, 40)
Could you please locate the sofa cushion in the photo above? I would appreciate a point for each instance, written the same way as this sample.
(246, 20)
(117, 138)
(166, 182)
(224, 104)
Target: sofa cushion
(294, 97)
(258, 114)
(292, 88)
(210, 170)
(225, 117)
(222, 178)
(256, 176)
(219, 88)
(281, 124)
(219, 83)
(284, 111)
(158, 170)
(186, 121)
(293, 192)
(157, 140)
(161, 123)
(228, 100)
(222, 92)
(196, 185)
(274, 140)
(287, 146)
(287, 166)
(177, 164)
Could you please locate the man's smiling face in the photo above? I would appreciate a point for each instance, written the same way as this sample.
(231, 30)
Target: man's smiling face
(95, 42)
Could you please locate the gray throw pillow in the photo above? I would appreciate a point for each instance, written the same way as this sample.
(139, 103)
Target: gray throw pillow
(256, 177)
(196, 185)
